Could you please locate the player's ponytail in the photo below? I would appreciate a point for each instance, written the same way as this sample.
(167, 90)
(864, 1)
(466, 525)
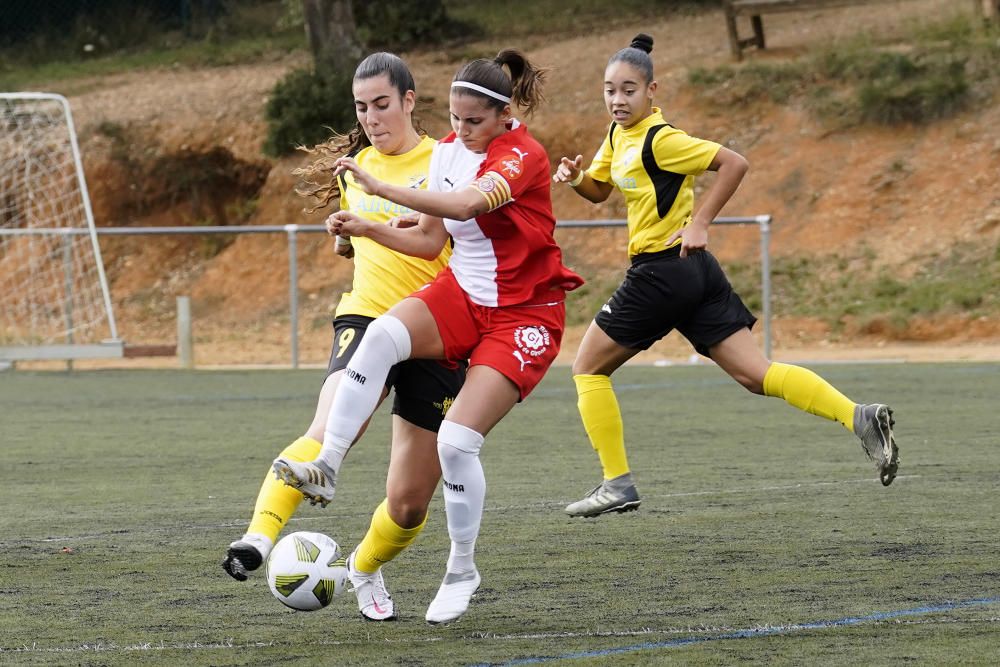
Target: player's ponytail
(520, 83)
(636, 54)
(323, 191)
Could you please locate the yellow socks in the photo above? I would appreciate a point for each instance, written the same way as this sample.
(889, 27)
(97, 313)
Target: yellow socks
(603, 422)
(807, 391)
(276, 501)
(384, 541)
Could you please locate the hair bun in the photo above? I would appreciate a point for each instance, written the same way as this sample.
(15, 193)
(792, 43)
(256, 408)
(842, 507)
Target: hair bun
(643, 42)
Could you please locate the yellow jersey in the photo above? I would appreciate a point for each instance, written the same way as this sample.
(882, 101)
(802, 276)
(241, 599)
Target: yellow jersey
(382, 277)
(653, 164)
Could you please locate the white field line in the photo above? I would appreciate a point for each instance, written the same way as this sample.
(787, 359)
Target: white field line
(226, 644)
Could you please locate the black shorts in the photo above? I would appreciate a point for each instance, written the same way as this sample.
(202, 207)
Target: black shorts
(663, 291)
(425, 389)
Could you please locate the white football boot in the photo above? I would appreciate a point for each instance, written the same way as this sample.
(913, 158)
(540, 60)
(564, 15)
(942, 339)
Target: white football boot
(452, 599)
(873, 424)
(374, 601)
(611, 495)
(314, 479)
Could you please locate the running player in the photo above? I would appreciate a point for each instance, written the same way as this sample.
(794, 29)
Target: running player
(386, 142)
(675, 283)
(499, 304)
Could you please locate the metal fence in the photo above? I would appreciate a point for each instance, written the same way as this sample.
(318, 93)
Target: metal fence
(292, 231)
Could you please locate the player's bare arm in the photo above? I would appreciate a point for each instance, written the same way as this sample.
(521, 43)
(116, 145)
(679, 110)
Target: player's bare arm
(425, 240)
(731, 167)
(462, 205)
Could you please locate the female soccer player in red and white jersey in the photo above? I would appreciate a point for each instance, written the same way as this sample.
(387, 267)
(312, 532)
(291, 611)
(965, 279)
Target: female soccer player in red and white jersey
(387, 142)
(675, 283)
(499, 304)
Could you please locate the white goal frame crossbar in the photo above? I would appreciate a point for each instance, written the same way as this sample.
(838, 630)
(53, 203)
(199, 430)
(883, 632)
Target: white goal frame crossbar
(113, 347)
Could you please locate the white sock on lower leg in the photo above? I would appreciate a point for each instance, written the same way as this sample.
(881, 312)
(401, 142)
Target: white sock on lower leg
(464, 491)
(386, 342)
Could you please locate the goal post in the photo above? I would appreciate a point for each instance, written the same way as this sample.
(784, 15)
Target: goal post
(54, 297)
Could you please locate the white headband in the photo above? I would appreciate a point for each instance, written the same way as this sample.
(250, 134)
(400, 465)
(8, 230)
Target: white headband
(480, 89)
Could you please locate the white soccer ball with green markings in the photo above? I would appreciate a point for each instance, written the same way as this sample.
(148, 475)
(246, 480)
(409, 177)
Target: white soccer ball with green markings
(306, 570)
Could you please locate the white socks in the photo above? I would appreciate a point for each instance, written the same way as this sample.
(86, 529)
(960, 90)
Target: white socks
(464, 491)
(386, 343)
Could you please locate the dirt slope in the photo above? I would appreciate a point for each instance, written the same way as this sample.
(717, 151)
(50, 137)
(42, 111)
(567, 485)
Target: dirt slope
(905, 193)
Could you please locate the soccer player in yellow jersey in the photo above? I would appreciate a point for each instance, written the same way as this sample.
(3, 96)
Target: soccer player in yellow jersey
(387, 144)
(675, 283)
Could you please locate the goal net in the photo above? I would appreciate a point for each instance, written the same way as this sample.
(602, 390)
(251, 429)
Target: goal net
(54, 298)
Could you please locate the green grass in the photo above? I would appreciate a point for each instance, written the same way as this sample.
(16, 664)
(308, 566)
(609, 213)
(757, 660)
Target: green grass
(833, 288)
(754, 515)
(930, 70)
(264, 31)
(249, 32)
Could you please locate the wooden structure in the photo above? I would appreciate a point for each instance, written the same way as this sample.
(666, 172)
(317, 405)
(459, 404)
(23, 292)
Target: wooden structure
(755, 10)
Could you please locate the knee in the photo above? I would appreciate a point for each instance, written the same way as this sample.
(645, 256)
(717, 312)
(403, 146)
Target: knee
(391, 336)
(406, 508)
(752, 384)
(455, 442)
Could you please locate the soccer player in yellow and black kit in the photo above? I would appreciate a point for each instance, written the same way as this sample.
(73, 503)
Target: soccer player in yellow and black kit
(386, 143)
(675, 283)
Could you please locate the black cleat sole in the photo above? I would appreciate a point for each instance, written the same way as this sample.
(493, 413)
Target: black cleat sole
(239, 562)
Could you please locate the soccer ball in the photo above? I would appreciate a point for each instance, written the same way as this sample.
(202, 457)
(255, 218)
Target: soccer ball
(305, 570)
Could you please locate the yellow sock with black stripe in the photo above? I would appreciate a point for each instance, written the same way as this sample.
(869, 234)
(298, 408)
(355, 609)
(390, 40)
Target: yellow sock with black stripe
(384, 541)
(809, 392)
(276, 501)
(602, 420)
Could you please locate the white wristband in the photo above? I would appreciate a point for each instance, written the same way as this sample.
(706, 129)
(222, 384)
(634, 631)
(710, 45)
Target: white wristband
(576, 181)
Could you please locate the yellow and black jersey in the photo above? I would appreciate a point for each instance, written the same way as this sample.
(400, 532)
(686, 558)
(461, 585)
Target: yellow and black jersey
(654, 165)
(381, 276)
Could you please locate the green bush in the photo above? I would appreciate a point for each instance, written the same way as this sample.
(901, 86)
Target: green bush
(910, 91)
(932, 73)
(304, 107)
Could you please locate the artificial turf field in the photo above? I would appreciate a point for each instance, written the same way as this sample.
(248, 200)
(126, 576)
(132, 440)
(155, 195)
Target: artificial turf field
(763, 533)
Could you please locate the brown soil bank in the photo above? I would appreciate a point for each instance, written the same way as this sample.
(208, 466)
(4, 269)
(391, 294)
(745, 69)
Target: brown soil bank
(182, 146)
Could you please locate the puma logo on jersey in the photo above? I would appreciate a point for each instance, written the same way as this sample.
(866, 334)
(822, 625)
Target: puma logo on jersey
(449, 182)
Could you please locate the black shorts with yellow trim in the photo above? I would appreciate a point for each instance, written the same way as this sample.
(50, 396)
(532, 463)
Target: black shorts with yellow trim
(424, 389)
(663, 291)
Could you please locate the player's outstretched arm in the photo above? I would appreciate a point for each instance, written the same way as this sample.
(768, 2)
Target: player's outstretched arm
(571, 172)
(425, 240)
(461, 205)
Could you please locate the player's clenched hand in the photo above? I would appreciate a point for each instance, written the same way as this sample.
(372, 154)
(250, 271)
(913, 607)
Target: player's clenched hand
(568, 170)
(345, 223)
(365, 181)
(343, 246)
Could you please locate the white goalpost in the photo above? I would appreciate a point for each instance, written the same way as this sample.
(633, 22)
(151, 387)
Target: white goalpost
(54, 297)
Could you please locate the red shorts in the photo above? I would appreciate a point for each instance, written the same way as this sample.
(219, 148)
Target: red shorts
(521, 342)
